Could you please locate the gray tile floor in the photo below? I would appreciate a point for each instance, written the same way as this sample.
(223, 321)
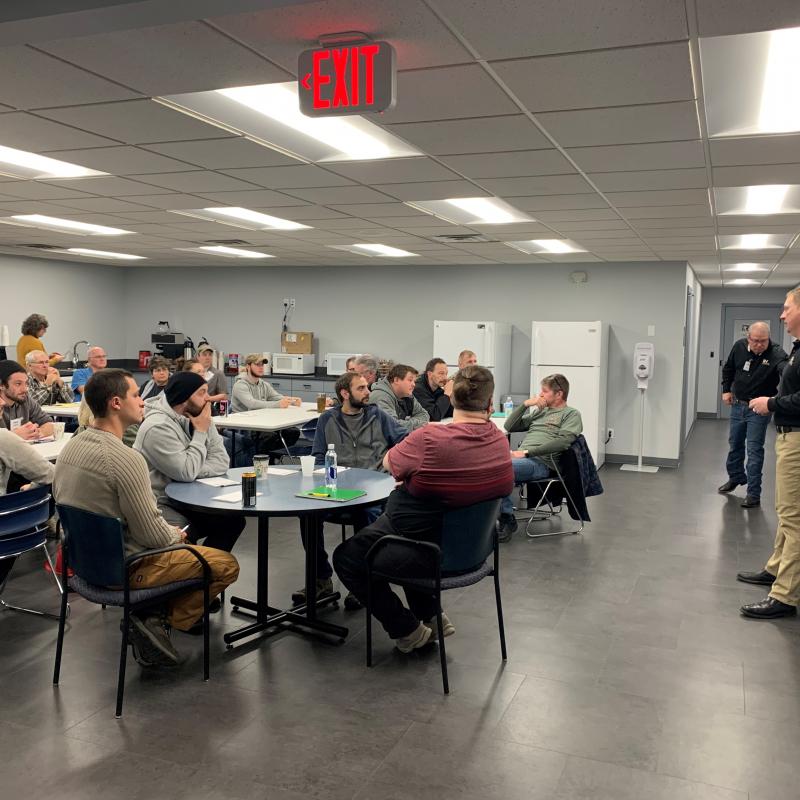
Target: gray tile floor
(630, 675)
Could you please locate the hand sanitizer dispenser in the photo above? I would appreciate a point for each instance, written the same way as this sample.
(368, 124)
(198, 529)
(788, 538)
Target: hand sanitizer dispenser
(644, 358)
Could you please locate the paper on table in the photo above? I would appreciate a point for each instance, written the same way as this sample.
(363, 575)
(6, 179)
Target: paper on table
(220, 482)
(232, 497)
(43, 440)
(281, 471)
(321, 470)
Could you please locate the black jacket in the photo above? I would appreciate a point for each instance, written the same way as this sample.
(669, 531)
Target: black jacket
(434, 401)
(786, 404)
(748, 375)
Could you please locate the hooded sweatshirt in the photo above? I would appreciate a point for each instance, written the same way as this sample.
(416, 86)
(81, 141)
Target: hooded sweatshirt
(407, 411)
(247, 396)
(176, 451)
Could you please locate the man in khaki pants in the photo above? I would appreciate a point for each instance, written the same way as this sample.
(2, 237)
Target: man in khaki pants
(782, 571)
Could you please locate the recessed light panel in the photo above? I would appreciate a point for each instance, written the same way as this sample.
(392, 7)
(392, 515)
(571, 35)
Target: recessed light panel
(751, 83)
(537, 247)
(85, 251)
(472, 211)
(755, 241)
(242, 218)
(61, 225)
(374, 250)
(225, 252)
(30, 166)
(746, 267)
(779, 198)
(741, 282)
(269, 114)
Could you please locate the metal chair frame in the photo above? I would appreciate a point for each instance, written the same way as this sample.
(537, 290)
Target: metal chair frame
(538, 514)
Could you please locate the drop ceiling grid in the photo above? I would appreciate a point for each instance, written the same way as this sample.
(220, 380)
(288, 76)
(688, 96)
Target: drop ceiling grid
(636, 140)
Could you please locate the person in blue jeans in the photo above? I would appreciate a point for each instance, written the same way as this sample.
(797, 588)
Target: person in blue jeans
(550, 427)
(753, 369)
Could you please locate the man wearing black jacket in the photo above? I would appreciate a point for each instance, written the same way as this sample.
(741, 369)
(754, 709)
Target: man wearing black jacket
(433, 388)
(782, 570)
(753, 369)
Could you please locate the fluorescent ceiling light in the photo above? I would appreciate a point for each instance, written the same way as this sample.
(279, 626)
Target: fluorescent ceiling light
(765, 199)
(780, 95)
(269, 114)
(779, 198)
(242, 218)
(29, 166)
(746, 268)
(755, 241)
(84, 251)
(741, 282)
(546, 246)
(61, 225)
(374, 250)
(225, 252)
(472, 210)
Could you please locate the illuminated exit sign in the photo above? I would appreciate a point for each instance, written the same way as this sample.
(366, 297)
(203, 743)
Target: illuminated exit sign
(346, 79)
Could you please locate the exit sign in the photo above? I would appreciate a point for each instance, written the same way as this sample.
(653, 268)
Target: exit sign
(346, 79)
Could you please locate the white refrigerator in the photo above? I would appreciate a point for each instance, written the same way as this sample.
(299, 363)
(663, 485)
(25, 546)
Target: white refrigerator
(579, 351)
(491, 343)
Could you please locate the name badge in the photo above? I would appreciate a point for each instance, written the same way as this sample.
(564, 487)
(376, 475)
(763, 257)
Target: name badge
(746, 367)
(15, 423)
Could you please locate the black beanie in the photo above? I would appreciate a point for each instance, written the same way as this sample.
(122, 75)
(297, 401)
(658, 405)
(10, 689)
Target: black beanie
(181, 386)
(8, 368)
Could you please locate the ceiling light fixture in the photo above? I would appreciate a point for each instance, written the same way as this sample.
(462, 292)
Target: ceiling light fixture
(31, 166)
(746, 268)
(546, 246)
(780, 94)
(85, 251)
(741, 282)
(242, 218)
(472, 210)
(765, 199)
(374, 250)
(61, 225)
(226, 252)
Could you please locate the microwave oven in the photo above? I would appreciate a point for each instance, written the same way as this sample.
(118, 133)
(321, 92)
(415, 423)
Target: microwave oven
(293, 364)
(337, 362)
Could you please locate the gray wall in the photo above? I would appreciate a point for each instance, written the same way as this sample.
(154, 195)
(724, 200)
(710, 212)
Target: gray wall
(390, 311)
(79, 301)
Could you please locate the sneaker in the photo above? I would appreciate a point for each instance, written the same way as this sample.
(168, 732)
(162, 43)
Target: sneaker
(448, 629)
(506, 527)
(324, 586)
(352, 603)
(153, 630)
(419, 637)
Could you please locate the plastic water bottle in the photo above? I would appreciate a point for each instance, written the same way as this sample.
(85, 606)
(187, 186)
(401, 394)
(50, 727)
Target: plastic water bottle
(508, 406)
(331, 468)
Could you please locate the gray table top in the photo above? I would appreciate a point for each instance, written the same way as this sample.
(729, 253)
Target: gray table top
(278, 493)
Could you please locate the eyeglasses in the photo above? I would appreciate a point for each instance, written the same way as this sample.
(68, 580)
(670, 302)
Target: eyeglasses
(557, 381)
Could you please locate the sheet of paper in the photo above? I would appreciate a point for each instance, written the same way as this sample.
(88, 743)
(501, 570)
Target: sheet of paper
(281, 471)
(232, 497)
(220, 482)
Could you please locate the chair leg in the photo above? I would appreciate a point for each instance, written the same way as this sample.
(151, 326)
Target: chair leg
(500, 625)
(369, 619)
(123, 659)
(62, 619)
(34, 611)
(344, 532)
(205, 631)
(442, 653)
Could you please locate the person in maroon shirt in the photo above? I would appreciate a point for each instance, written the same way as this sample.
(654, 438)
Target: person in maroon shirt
(439, 467)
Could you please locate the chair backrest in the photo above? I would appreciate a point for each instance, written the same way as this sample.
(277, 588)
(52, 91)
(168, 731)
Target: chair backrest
(94, 546)
(468, 536)
(24, 511)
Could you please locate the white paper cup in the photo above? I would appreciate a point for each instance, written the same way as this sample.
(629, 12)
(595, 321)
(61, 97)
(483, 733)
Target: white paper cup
(307, 465)
(58, 430)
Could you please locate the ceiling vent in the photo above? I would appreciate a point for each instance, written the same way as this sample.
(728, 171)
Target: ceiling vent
(227, 242)
(42, 246)
(466, 238)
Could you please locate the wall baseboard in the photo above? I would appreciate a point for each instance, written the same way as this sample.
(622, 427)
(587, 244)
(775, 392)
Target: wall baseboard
(707, 415)
(614, 458)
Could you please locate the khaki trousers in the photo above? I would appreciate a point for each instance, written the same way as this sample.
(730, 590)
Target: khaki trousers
(785, 560)
(181, 565)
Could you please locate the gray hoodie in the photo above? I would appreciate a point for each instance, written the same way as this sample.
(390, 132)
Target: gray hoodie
(18, 456)
(175, 451)
(408, 412)
(246, 395)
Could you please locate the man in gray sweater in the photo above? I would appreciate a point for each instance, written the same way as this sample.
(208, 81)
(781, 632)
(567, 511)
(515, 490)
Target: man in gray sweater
(180, 442)
(395, 395)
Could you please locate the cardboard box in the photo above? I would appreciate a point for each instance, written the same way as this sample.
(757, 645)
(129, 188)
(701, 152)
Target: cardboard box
(297, 342)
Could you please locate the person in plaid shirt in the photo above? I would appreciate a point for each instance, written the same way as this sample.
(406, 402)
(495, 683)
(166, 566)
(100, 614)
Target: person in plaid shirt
(44, 382)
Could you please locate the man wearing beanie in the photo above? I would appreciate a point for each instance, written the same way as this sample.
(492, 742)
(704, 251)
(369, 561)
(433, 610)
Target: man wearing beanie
(180, 443)
(21, 414)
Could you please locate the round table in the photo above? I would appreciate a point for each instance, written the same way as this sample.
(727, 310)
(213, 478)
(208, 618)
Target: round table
(277, 497)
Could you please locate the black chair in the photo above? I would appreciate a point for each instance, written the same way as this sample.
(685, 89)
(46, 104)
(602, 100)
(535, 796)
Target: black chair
(94, 547)
(23, 527)
(468, 539)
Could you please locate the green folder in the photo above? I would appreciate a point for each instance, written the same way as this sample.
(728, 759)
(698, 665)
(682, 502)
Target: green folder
(332, 495)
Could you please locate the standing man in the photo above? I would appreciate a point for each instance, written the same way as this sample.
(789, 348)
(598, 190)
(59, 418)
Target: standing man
(395, 395)
(433, 389)
(45, 385)
(753, 369)
(97, 359)
(21, 414)
(782, 570)
(215, 378)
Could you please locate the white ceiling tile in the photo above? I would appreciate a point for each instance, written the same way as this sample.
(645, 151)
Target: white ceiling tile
(650, 179)
(513, 28)
(555, 202)
(108, 205)
(197, 181)
(109, 186)
(252, 198)
(34, 190)
(722, 17)
(654, 74)
(753, 176)
(577, 215)
(168, 59)
(545, 184)
(700, 211)
(224, 153)
(295, 177)
(435, 190)
(134, 122)
(29, 132)
(730, 152)
(447, 93)
(396, 170)
(666, 197)
(612, 224)
(663, 122)
(10, 208)
(381, 210)
(169, 200)
(340, 195)
(478, 135)
(629, 157)
(507, 165)
(120, 160)
(307, 213)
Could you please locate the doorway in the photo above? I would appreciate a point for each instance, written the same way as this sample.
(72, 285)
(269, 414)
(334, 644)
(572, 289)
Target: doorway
(736, 319)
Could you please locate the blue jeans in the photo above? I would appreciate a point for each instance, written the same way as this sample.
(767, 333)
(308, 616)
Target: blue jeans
(525, 469)
(747, 432)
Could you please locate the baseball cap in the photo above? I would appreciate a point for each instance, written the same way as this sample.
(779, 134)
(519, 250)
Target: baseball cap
(255, 358)
(205, 348)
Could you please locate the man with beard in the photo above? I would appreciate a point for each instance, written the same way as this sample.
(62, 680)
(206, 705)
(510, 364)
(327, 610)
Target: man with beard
(180, 443)
(433, 389)
(21, 414)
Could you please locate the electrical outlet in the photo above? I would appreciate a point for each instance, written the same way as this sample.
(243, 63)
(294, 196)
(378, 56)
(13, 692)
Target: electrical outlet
(286, 302)
(291, 302)
(610, 433)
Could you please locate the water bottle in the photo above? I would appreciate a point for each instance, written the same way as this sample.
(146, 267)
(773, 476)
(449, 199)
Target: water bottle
(508, 406)
(331, 468)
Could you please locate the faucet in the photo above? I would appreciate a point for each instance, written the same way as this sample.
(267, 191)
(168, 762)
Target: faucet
(75, 352)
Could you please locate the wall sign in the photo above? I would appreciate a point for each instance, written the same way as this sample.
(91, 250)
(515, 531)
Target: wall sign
(346, 79)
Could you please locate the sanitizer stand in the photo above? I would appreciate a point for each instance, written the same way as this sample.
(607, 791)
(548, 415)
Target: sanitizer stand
(643, 362)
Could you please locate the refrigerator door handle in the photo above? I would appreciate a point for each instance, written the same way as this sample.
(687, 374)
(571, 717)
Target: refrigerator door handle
(488, 343)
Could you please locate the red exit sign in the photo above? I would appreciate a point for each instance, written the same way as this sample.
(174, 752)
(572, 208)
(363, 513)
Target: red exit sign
(346, 79)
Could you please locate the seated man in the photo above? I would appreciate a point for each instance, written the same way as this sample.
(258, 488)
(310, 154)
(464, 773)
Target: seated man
(441, 467)
(96, 360)
(159, 375)
(550, 427)
(350, 364)
(251, 391)
(215, 378)
(21, 414)
(97, 473)
(180, 442)
(366, 365)
(395, 395)
(362, 434)
(45, 385)
(467, 358)
(433, 389)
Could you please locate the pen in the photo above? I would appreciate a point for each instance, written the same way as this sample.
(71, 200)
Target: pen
(184, 528)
